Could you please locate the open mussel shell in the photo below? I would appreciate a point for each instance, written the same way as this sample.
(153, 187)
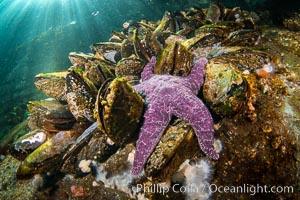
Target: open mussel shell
(28, 143)
(175, 60)
(119, 109)
(97, 72)
(49, 115)
(52, 84)
(108, 51)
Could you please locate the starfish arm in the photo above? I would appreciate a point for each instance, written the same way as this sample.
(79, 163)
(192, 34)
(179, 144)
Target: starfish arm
(191, 109)
(196, 77)
(138, 88)
(155, 122)
(148, 69)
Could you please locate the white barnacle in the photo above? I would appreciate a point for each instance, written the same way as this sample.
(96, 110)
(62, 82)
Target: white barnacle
(84, 165)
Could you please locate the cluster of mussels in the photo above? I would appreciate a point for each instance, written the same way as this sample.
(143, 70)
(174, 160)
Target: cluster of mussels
(98, 88)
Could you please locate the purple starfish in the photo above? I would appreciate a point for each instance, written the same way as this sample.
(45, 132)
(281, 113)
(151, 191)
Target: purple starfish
(168, 95)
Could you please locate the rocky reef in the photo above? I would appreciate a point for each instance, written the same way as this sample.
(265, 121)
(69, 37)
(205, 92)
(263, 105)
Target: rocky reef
(111, 114)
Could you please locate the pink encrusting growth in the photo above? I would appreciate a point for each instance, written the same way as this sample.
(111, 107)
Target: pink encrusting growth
(168, 96)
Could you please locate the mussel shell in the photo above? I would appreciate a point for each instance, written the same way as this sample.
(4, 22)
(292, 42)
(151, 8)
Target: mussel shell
(224, 89)
(100, 104)
(220, 30)
(247, 37)
(167, 147)
(57, 124)
(212, 34)
(98, 148)
(52, 84)
(90, 145)
(79, 59)
(127, 48)
(166, 24)
(214, 13)
(117, 36)
(175, 60)
(130, 68)
(49, 115)
(118, 163)
(140, 47)
(243, 58)
(231, 14)
(109, 51)
(27, 144)
(187, 147)
(97, 72)
(292, 23)
(119, 109)
(80, 98)
(48, 156)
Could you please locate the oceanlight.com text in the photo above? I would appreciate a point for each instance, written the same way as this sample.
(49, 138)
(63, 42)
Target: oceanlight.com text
(251, 189)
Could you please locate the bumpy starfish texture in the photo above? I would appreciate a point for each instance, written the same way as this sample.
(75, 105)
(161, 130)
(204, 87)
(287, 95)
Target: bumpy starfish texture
(168, 96)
